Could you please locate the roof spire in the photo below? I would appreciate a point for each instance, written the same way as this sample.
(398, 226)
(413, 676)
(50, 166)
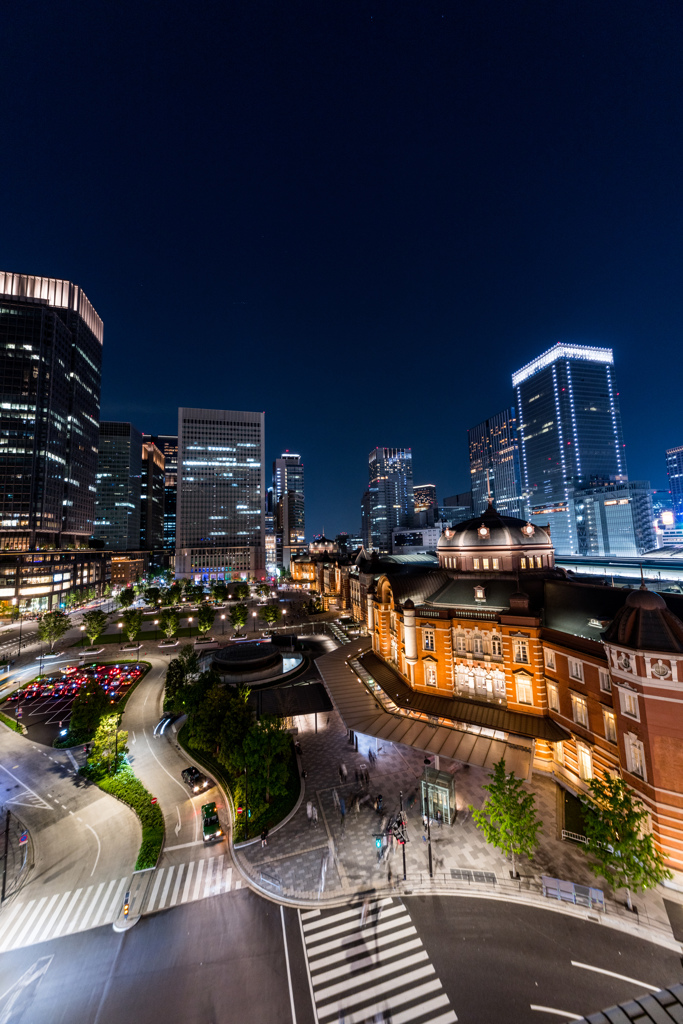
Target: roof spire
(642, 578)
(488, 487)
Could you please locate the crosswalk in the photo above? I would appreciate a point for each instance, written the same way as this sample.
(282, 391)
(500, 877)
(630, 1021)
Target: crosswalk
(25, 922)
(376, 972)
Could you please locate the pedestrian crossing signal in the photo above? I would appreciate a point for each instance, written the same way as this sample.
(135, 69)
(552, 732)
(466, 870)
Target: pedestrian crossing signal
(378, 842)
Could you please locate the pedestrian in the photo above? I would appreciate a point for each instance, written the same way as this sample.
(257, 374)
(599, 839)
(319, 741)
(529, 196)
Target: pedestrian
(335, 797)
(309, 812)
(342, 808)
(379, 803)
(344, 771)
(357, 777)
(341, 774)
(315, 817)
(264, 838)
(424, 822)
(389, 876)
(439, 818)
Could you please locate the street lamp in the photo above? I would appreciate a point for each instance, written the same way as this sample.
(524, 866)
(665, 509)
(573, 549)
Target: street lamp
(253, 615)
(21, 624)
(190, 621)
(120, 625)
(82, 636)
(222, 623)
(427, 762)
(156, 631)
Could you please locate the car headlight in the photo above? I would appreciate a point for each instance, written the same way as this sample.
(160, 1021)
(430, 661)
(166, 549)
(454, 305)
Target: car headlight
(196, 789)
(219, 833)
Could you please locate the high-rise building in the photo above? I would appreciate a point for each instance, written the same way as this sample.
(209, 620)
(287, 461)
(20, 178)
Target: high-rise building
(119, 481)
(674, 470)
(640, 493)
(152, 497)
(569, 433)
(221, 494)
(391, 502)
(50, 363)
(494, 465)
(168, 446)
(456, 508)
(289, 512)
(426, 505)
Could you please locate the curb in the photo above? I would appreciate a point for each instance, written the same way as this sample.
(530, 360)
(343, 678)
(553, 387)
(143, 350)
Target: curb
(285, 820)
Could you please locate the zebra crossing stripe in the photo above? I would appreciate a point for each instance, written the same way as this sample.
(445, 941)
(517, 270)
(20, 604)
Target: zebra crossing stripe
(8, 916)
(209, 872)
(93, 903)
(340, 941)
(375, 992)
(103, 903)
(30, 919)
(155, 889)
(116, 902)
(31, 935)
(81, 907)
(361, 944)
(65, 917)
(176, 887)
(188, 880)
(391, 1002)
(16, 923)
(345, 915)
(353, 923)
(51, 921)
(198, 879)
(367, 961)
(167, 886)
(378, 972)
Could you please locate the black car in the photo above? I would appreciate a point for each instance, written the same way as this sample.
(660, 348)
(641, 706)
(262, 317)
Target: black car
(195, 780)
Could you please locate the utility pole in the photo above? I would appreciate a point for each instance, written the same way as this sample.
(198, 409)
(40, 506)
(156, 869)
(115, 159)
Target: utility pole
(4, 862)
(246, 802)
(429, 830)
(403, 844)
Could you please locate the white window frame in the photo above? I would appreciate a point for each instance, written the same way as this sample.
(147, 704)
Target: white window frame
(521, 647)
(475, 563)
(428, 636)
(496, 563)
(477, 644)
(522, 562)
(559, 752)
(575, 669)
(553, 696)
(580, 710)
(485, 563)
(549, 658)
(635, 756)
(605, 681)
(584, 756)
(496, 645)
(629, 704)
(524, 689)
(430, 674)
(460, 643)
(610, 720)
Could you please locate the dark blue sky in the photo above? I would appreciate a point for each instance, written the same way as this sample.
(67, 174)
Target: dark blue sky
(360, 217)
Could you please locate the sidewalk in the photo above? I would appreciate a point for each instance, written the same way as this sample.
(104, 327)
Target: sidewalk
(291, 865)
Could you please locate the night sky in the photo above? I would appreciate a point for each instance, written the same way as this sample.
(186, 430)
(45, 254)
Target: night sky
(358, 217)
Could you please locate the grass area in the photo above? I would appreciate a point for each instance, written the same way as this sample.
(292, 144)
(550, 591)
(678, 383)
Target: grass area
(11, 723)
(127, 787)
(267, 817)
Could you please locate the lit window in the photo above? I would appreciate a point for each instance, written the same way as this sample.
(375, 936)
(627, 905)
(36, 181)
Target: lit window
(559, 752)
(479, 594)
(521, 652)
(610, 726)
(522, 563)
(605, 681)
(496, 646)
(430, 675)
(585, 761)
(525, 693)
(485, 563)
(478, 645)
(428, 640)
(635, 756)
(549, 656)
(461, 643)
(553, 697)
(475, 563)
(629, 703)
(575, 669)
(495, 563)
(580, 710)
(539, 562)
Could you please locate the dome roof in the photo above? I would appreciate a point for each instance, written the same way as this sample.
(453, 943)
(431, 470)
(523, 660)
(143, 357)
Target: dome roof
(492, 530)
(645, 623)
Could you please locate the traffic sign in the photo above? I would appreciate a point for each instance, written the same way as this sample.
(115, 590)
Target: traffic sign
(23, 838)
(239, 808)
(154, 800)
(19, 713)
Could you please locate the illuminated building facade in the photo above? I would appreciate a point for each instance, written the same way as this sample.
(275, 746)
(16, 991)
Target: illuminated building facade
(119, 479)
(50, 373)
(221, 492)
(152, 487)
(289, 509)
(426, 505)
(494, 465)
(168, 446)
(497, 646)
(390, 501)
(569, 433)
(674, 471)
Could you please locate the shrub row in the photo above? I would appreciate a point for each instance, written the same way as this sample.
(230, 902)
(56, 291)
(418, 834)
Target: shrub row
(11, 723)
(128, 788)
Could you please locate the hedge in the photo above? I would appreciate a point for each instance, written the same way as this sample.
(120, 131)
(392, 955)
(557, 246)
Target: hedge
(128, 788)
(11, 723)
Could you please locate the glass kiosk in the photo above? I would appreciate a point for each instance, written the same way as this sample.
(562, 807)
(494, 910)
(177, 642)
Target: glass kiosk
(438, 790)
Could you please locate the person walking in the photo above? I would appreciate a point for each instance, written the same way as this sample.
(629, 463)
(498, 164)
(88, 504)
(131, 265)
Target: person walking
(264, 838)
(309, 812)
(439, 818)
(335, 797)
(314, 815)
(344, 771)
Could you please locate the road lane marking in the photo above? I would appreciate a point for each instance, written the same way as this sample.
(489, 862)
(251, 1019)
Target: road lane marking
(8, 915)
(180, 824)
(209, 872)
(227, 885)
(167, 886)
(155, 890)
(289, 975)
(65, 916)
(103, 904)
(55, 915)
(198, 879)
(379, 972)
(176, 887)
(188, 880)
(30, 936)
(184, 846)
(99, 848)
(218, 879)
(557, 1013)
(93, 904)
(32, 791)
(622, 977)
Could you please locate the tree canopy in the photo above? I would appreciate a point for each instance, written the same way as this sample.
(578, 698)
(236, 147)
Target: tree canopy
(206, 615)
(169, 622)
(132, 623)
(508, 817)
(53, 626)
(266, 746)
(95, 623)
(126, 597)
(271, 613)
(240, 591)
(239, 615)
(88, 707)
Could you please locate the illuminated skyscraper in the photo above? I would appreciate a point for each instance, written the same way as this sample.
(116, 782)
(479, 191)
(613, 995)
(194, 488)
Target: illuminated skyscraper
(494, 465)
(390, 495)
(50, 372)
(152, 497)
(289, 511)
(674, 471)
(119, 481)
(168, 446)
(221, 494)
(426, 505)
(569, 433)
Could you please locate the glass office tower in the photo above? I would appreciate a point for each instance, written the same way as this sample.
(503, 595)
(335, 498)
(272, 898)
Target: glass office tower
(391, 502)
(569, 432)
(289, 510)
(168, 446)
(495, 467)
(674, 471)
(119, 481)
(152, 497)
(221, 494)
(50, 374)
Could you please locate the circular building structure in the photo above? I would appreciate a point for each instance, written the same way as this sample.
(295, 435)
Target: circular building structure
(495, 543)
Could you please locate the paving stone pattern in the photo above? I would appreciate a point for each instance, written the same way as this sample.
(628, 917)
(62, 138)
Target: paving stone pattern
(295, 855)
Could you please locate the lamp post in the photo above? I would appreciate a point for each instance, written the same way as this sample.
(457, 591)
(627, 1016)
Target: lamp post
(82, 637)
(223, 624)
(253, 615)
(21, 624)
(120, 625)
(427, 762)
(246, 802)
(190, 621)
(156, 631)
(403, 845)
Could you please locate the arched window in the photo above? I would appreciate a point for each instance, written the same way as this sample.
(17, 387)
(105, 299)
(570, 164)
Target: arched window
(496, 645)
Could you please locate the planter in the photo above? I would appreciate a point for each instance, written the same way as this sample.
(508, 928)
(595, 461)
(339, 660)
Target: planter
(169, 643)
(86, 651)
(131, 647)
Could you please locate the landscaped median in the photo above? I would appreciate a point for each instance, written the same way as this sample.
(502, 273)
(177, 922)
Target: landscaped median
(16, 726)
(125, 786)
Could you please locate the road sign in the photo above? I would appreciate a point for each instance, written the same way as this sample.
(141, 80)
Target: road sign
(154, 800)
(19, 712)
(23, 838)
(239, 809)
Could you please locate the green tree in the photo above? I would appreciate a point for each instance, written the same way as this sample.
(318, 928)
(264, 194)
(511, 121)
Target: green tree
(205, 617)
(205, 715)
(88, 707)
(240, 591)
(174, 593)
(95, 624)
(109, 744)
(239, 615)
(126, 597)
(237, 722)
(169, 622)
(190, 660)
(107, 590)
(615, 823)
(219, 591)
(262, 589)
(194, 592)
(508, 818)
(152, 595)
(285, 574)
(52, 627)
(175, 681)
(132, 623)
(271, 613)
(266, 749)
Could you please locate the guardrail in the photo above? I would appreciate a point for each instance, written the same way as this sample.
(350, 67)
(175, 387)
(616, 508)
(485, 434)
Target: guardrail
(574, 837)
